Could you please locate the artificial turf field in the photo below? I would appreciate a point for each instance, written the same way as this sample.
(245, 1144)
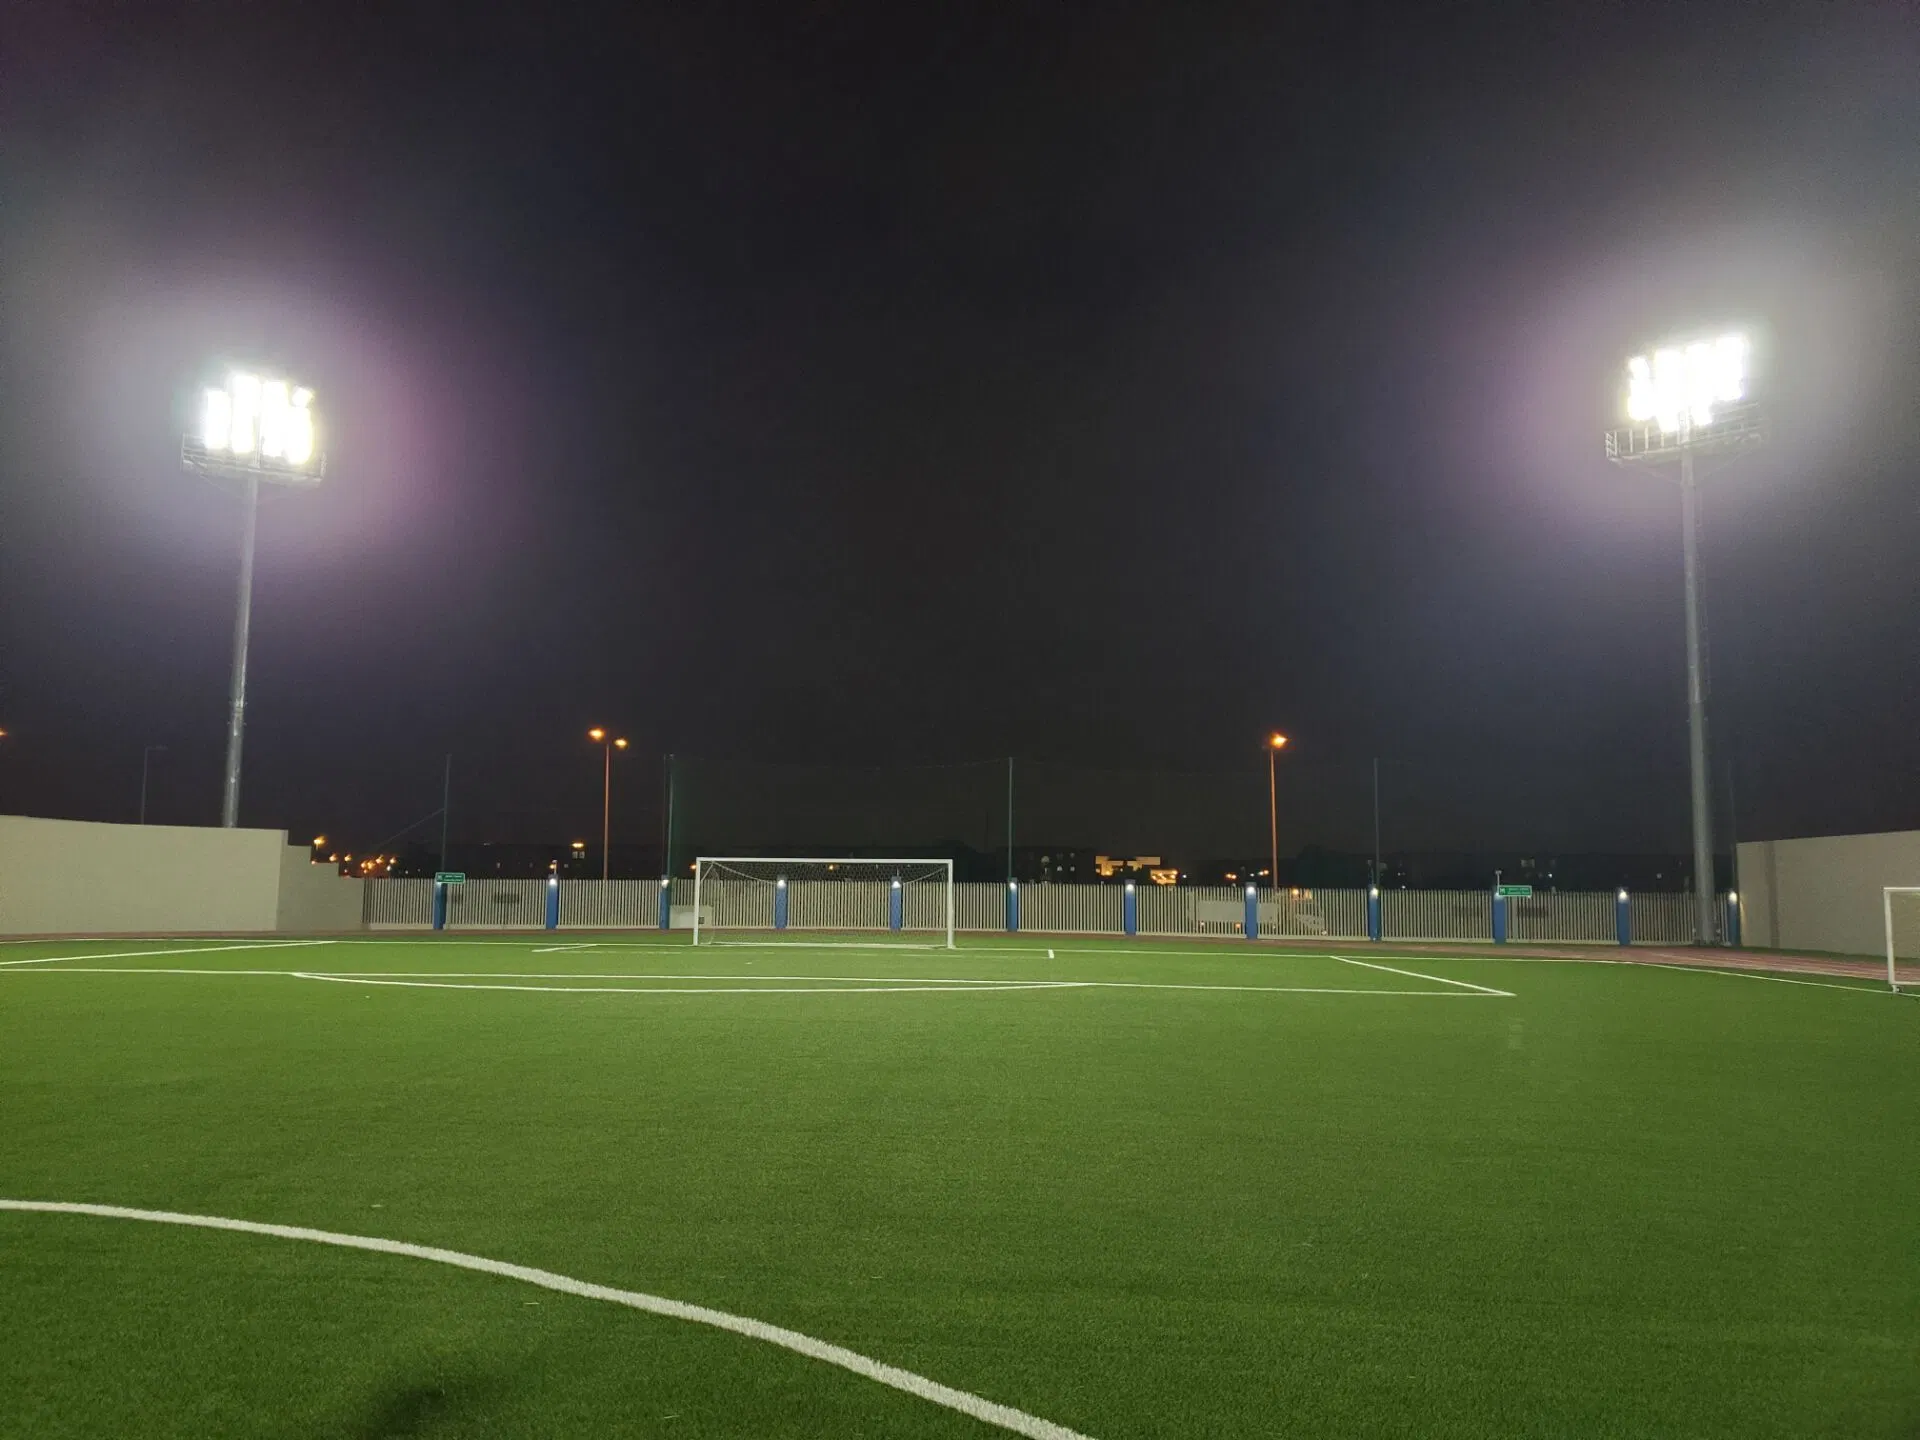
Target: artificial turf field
(1583, 1199)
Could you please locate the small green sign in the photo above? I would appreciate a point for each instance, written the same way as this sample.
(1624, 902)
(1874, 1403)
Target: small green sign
(1514, 892)
(458, 877)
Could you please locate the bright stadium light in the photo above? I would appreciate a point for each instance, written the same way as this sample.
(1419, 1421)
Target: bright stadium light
(257, 422)
(1683, 401)
(252, 429)
(1678, 386)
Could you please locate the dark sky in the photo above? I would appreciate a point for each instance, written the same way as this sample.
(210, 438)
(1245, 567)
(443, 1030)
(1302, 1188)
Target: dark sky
(905, 383)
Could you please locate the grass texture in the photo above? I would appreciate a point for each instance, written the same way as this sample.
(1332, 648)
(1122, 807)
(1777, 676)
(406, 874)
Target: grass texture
(1612, 1201)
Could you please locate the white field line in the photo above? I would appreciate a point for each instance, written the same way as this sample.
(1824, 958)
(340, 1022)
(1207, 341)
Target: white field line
(1867, 988)
(1416, 975)
(909, 989)
(1471, 992)
(962, 1401)
(843, 984)
(817, 945)
(193, 950)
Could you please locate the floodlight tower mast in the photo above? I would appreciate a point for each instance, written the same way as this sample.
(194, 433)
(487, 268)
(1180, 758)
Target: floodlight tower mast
(252, 431)
(1695, 397)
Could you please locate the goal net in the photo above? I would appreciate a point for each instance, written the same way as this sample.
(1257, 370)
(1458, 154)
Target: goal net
(1902, 913)
(907, 900)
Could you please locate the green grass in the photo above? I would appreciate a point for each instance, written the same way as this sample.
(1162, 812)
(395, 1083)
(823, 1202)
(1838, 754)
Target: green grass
(1620, 1201)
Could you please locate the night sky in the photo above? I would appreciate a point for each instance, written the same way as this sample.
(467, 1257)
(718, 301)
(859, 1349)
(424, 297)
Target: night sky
(912, 384)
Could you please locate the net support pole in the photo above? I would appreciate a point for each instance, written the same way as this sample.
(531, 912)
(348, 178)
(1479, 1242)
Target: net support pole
(949, 905)
(666, 902)
(698, 867)
(1129, 911)
(1622, 919)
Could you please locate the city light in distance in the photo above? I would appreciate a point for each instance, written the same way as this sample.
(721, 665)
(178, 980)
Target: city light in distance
(1682, 384)
(1277, 740)
(258, 415)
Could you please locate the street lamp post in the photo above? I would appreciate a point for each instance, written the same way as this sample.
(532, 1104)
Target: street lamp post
(1685, 401)
(254, 431)
(598, 735)
(1276, 742)
(147, 752)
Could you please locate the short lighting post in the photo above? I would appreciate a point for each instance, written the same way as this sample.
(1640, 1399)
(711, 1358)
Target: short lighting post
(1276, 742)
(1684, 402)
(255, 430)
(598, 735)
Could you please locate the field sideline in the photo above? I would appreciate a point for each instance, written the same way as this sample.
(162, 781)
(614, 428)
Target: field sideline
(1131, 1189)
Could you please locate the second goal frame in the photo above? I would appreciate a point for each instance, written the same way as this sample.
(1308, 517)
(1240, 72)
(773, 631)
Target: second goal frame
(1886, 903)
(823, 892)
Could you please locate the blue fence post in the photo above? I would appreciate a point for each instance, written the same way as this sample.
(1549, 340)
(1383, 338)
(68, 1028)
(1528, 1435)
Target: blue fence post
(1251, 923)
(666, 902)
(1373, 912)
(1733, 917)
(1130, 911)
(439, 905)
(1622, 919)
(553, 902)
(896, 905)
(780, 904)
(1013, 907)
(1499, 918)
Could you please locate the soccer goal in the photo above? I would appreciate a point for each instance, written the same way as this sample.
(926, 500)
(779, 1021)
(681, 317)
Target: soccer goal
(904, 899)
(1902, 910)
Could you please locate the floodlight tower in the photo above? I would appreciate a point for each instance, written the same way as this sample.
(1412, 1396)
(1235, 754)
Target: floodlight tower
(1685, 401)
(254, 430)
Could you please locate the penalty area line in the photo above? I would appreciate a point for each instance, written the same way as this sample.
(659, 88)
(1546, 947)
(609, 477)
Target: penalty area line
(1416, 975)
(177, 950)
(839, 989)
(976, 1407)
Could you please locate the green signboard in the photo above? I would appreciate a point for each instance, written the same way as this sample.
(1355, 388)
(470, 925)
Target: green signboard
(457, 877)
(1514, 892)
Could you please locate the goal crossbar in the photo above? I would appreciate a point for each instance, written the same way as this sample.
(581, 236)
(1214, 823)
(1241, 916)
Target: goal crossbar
(822, 892)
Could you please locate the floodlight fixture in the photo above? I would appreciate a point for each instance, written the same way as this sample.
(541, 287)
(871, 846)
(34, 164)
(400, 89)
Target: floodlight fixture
(258, 425)
(1686, 400)
(252, 429)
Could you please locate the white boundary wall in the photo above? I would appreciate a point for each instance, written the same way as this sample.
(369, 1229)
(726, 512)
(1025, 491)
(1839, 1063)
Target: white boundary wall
(1823, 892)
(80, 877)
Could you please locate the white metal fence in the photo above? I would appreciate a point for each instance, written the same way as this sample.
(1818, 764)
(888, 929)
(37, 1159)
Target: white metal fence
(1186, 910)
(395, 903)
(497, 905)
(1436, 915)
(1570, 918)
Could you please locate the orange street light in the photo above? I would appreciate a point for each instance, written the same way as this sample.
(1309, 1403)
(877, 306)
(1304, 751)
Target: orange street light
(598, 735)
(1276, 742)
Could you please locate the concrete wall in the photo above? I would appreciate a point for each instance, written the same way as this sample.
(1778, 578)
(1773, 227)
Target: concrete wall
(316, 897)
(78, 877)
(1823, 892)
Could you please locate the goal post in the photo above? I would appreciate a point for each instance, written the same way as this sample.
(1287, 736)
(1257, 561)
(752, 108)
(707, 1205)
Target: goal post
(907, 899)
(1900, 909)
